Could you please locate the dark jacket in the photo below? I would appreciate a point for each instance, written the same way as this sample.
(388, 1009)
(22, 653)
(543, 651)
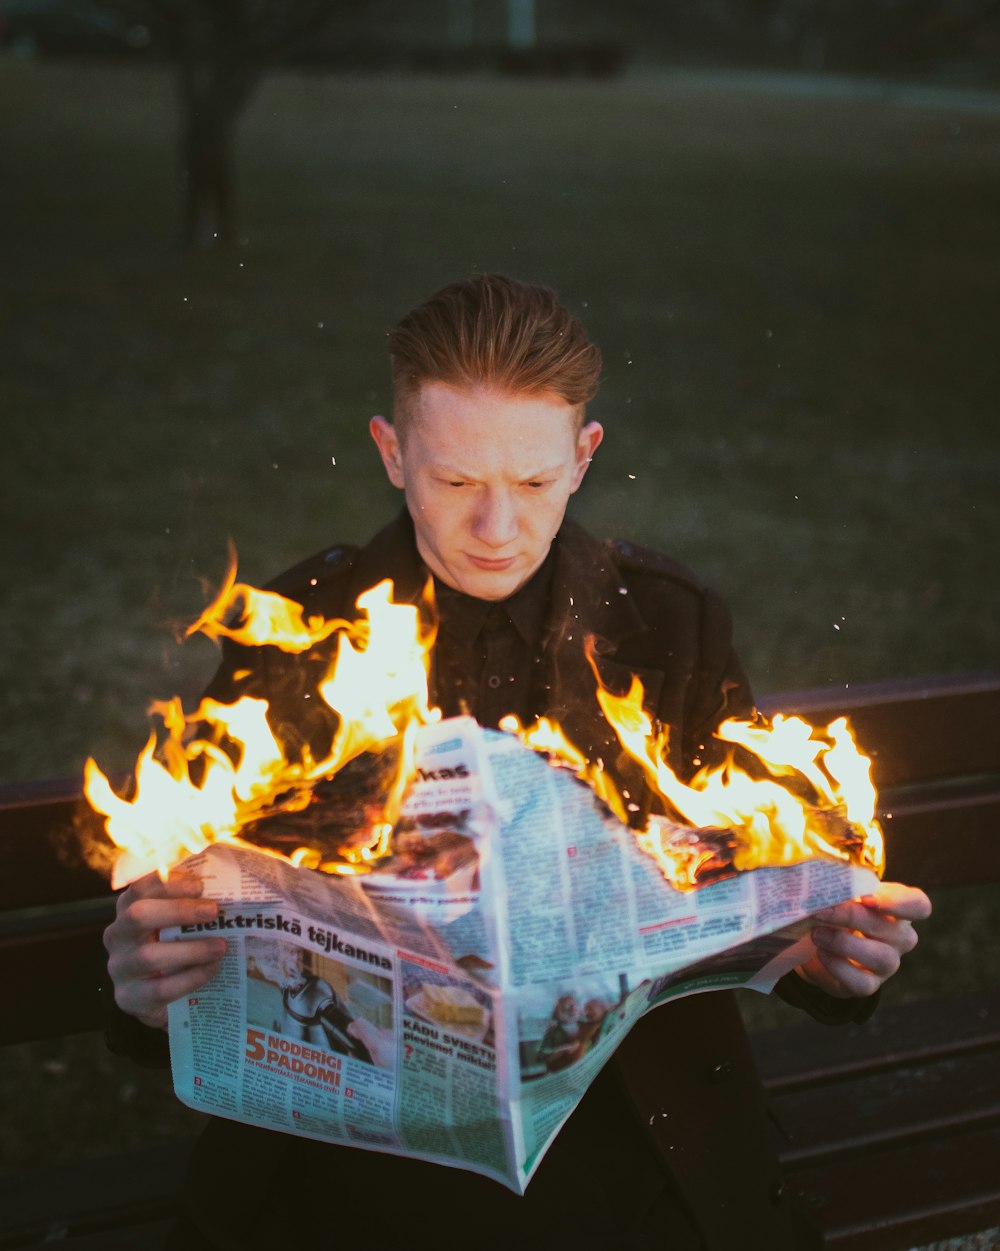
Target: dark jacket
(671, 1146)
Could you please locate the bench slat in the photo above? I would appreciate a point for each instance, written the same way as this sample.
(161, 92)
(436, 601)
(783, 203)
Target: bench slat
(938, 839)
(883, 1126)
(889, 1108)
(809, 1054)
(937, 1189)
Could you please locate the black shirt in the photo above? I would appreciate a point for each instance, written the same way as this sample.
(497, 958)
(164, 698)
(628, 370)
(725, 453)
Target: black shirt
(487, 653)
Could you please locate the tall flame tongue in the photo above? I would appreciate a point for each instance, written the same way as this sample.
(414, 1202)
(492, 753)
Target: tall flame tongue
(817, 797)
(190, 791)
(824, 805)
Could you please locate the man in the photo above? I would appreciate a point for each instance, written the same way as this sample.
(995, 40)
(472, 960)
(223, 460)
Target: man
(670, 1146)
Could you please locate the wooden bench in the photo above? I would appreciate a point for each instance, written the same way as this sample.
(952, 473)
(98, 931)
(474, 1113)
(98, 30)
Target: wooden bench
(890, 1132)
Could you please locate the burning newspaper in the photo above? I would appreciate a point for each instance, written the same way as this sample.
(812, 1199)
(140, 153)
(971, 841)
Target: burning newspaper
(455, 1004)
(487, 930)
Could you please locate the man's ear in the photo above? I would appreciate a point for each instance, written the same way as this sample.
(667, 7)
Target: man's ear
(587, 443)
(387, 442)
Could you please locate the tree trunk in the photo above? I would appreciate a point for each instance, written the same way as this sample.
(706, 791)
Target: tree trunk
(221, 49)
(207, 177)
(217, 75)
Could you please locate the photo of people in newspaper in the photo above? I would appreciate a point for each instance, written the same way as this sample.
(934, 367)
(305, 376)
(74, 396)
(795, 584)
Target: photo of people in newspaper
(578, 1021)
(312, 999)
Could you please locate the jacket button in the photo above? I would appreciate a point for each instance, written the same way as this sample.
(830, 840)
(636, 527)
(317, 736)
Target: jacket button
(721, 1072)
(778, 1193)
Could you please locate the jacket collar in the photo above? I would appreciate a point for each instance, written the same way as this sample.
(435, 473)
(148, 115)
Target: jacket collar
(392, 553)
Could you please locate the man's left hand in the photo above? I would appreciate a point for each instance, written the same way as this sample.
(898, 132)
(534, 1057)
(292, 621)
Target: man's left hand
(859, 943)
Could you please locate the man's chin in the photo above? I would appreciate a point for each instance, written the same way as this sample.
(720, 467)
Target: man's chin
(488, 584)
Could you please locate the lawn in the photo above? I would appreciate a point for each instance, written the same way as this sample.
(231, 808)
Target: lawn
(795, 294)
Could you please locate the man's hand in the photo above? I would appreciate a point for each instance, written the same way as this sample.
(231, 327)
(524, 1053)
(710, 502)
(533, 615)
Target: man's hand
(148, 974)
(859, 943)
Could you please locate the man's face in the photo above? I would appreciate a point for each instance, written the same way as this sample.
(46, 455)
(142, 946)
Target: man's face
(487, 476)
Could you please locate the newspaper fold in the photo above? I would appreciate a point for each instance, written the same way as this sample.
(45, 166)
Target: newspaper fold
(455, 1004)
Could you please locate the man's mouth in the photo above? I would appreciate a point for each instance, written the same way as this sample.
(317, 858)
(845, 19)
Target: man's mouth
(492, 564)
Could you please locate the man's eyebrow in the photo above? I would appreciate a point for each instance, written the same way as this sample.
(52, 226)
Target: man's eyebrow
(450, 471)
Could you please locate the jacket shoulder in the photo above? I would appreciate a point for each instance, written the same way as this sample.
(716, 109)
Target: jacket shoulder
(645, 563)
(689, 619)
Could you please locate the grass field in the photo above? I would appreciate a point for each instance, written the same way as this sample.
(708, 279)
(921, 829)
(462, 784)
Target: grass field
(796, 296)
(796, 299)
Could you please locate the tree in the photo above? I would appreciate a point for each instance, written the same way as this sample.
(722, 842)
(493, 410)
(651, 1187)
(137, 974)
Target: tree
(221, 50)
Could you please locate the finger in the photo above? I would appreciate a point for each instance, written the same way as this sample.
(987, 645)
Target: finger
(894, 899)
(147, 916)
(156, 959)
(847, 979)
(148, 1000)
(852, 914)
(884, 929)
(873, 914)
(880, 958)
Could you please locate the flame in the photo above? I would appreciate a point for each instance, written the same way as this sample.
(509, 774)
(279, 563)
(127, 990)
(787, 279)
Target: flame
(817, 797)
(221, 767)
(824, 802)
(263, 617)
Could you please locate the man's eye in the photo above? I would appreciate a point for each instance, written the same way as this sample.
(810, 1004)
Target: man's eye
(536, 486)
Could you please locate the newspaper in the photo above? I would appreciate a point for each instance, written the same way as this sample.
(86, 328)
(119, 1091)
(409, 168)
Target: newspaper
(455, 1004)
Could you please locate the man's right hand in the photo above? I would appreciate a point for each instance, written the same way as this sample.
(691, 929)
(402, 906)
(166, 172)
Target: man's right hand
(147, 974)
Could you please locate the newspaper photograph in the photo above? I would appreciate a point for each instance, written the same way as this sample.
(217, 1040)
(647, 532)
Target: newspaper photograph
(455, 1003)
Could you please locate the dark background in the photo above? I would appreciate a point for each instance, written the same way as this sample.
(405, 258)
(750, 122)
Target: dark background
(780, 221)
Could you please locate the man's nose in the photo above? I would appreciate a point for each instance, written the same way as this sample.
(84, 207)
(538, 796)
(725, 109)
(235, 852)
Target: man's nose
(495, 521)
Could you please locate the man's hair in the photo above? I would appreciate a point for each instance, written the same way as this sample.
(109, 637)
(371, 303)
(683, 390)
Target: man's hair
(496, 332)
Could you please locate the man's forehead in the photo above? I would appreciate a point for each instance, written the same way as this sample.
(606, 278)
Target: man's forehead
(476, 430)
(441, 406)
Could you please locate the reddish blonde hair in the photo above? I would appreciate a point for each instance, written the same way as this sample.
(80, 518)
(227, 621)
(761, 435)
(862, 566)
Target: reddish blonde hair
(497, 332)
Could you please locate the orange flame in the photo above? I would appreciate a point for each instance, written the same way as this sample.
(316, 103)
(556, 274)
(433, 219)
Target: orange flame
(221, 768)
(817, 798)
(190, 791)
(263, 617)
(771, 823)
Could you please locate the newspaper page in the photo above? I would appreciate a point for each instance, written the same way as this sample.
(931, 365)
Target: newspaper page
(455, 1003)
